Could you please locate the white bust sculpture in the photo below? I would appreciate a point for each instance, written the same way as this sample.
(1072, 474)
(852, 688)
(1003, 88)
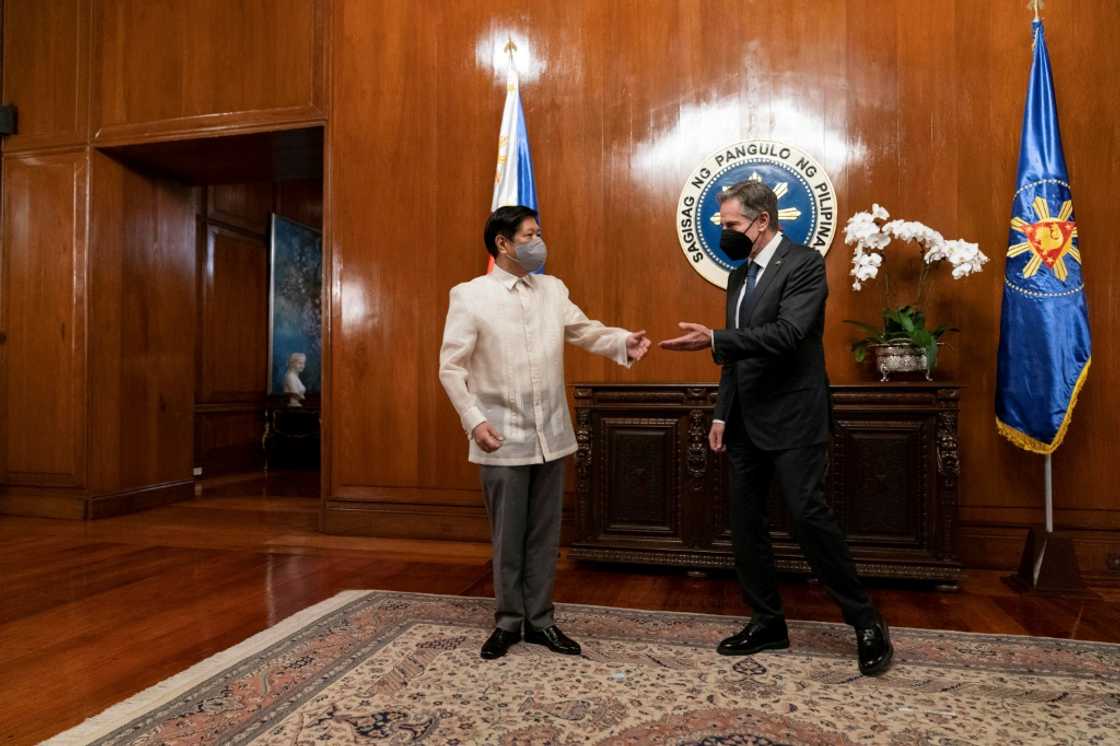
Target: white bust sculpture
(293, 387)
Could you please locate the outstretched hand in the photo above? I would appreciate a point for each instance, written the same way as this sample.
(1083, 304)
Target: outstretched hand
(637, 345)
(695, 337)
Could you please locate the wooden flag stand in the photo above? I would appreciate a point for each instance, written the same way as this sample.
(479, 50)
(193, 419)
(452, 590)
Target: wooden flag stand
(1049, 566)
(1049, 562)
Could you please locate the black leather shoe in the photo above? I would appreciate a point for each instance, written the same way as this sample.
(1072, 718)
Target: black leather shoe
(498, 643)
(875, 649)
(553, 639)
(756, 637)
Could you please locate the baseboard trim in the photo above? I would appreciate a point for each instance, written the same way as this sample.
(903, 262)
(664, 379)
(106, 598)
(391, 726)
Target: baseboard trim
(983, 546)
(141, 498)
(31, 502)
(361, 495)
(404, 521)
(78, 506)
(1000, 547)
(417, 521)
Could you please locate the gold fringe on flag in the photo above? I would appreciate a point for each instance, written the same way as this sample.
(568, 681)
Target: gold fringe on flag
(1026, 442)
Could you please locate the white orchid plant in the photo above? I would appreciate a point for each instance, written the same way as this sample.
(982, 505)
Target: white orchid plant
(871, 233)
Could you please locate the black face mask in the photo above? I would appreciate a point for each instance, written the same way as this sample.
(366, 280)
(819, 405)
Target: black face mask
(736, 245)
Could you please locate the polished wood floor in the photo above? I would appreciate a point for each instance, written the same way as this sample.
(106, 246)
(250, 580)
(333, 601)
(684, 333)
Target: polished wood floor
(92, 613)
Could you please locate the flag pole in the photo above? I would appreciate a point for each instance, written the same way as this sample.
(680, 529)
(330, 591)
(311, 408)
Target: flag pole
(1049, 495)
(1036, 5)
(1048, 480)
(1048, 467)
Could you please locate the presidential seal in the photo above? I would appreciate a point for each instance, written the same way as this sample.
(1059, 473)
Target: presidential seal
(806, 201)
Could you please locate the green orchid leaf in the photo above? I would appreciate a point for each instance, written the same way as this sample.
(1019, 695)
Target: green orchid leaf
(922, 338)
(873, 331)
(941, 330)
(892, 323)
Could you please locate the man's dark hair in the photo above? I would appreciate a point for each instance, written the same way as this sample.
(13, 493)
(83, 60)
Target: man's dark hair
(755, 199)
(504, 222)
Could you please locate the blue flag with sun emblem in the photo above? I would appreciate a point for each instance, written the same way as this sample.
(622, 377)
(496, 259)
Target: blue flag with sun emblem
(1044, 342)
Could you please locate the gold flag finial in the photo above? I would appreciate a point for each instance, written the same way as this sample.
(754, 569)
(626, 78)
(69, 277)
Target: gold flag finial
(510, 47)
(1036, 6)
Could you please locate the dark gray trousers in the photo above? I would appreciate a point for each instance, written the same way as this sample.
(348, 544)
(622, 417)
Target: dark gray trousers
(524, 504)
(801, 475)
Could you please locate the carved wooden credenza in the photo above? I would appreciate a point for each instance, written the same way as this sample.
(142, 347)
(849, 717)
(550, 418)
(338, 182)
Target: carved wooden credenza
(650, 491)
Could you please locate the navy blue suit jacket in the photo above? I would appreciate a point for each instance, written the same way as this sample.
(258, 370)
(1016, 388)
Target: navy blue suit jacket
(773, 367)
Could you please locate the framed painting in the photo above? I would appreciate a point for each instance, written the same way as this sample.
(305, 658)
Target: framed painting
(295, 306)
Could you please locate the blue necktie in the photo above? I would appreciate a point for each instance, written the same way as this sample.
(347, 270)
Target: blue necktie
(752, 277)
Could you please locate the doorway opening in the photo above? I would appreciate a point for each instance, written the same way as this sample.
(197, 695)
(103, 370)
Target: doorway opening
(258, 332)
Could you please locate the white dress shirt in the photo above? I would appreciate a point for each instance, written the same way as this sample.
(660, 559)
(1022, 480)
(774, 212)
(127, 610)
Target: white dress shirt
(502, 362)
(761, 259)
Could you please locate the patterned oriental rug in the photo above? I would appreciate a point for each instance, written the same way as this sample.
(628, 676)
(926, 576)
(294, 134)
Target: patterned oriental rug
(401, 668)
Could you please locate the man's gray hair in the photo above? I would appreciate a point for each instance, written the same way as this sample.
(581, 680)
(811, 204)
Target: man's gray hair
(755, 199)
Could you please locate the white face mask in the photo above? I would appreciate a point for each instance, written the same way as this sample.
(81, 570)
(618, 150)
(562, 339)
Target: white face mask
(531, 256)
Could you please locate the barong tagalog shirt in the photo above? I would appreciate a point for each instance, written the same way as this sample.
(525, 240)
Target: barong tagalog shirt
(502, 362)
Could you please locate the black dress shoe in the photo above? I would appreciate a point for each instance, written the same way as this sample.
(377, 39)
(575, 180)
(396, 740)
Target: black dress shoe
(756, 637)
(552, 638)
(499, 643)
(875, 649)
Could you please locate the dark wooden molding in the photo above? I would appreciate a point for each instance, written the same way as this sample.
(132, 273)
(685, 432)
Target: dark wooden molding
(76, 505)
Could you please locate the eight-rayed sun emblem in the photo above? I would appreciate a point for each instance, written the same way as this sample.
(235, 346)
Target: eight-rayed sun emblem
(1050, 238)
(780, 190)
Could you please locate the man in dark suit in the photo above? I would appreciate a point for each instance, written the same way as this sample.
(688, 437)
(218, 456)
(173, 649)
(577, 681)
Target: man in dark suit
(773, 419)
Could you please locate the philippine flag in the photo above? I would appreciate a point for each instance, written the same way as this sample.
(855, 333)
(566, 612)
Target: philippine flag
(513, 182)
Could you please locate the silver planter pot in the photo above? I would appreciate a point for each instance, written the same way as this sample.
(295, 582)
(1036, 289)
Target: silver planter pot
(900, 357)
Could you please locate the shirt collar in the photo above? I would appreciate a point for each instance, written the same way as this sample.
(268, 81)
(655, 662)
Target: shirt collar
(768, 250)
(508, 280)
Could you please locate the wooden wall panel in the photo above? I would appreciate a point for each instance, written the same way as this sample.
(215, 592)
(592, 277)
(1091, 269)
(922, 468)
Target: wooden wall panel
(142, 281)
(228, 438)
(234, 318)
(378, 351)
(1086, 477)
(161, 68)
(301, 200)
(44, 319)
(916, 106)
(46, 71)
(241, 205)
